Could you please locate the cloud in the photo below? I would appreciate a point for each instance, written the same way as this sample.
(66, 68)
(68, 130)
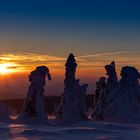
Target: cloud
(29, 56)
(103, 54)
(98, 60)
(28, 61)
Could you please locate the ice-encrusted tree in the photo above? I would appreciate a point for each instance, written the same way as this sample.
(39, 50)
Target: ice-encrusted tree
(126, 106)
(72, 107)
(70, 73)
(118, 101)
(100, 86)
(106, 86)
(34, 107)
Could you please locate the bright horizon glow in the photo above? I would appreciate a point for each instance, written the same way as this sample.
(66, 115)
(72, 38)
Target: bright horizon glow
(7, 68)
(26, 62)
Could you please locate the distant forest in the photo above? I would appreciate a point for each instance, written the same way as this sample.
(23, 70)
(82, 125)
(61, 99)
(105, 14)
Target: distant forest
(51, 104)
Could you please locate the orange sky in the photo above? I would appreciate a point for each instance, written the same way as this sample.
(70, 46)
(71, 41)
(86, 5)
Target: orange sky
(15, 67)
(45, 32)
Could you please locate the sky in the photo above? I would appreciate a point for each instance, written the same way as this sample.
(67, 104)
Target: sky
(34, 33)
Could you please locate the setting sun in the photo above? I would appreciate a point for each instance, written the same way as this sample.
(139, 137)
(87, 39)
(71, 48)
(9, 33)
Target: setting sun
(6, 68)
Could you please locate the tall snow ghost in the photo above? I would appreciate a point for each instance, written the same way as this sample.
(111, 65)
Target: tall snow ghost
(34, 107)
(72, 107)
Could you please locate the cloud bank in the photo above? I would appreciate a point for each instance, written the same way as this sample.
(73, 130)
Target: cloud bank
(26, 61)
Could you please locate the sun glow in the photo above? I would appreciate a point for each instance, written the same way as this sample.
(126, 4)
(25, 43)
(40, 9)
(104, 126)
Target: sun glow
(6, 68)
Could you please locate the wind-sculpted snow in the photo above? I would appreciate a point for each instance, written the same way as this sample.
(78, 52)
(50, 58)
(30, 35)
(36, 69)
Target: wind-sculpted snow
(34, 108)
(72, 107)
(118, 102)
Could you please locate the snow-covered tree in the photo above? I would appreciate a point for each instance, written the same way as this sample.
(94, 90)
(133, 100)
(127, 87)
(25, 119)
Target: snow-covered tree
(72, 107)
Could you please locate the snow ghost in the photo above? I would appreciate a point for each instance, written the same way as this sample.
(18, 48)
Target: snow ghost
(126, 106)
(34, 104)
(100, 86)
(130, 76)
(112, 76)
(118, 101)
(72, 107)
(104, 87)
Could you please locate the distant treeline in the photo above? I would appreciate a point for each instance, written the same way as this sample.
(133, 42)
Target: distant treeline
(51, 103)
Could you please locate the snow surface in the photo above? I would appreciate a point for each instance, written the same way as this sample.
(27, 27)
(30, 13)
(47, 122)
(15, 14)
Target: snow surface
(88, 130)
